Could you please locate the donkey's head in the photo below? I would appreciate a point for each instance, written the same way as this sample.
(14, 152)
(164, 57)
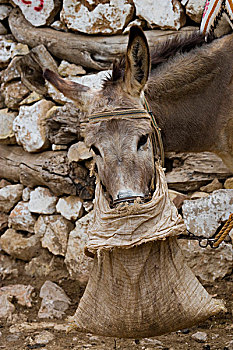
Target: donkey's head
(121, 146)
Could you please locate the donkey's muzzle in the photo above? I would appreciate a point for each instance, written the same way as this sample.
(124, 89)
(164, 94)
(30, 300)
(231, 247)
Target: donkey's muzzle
(129, 197)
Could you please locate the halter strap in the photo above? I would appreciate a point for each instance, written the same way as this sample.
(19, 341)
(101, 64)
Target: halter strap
(129, 113)
(156, 133)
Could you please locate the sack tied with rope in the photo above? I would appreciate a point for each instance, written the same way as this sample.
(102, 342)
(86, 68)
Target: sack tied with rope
(140, 285)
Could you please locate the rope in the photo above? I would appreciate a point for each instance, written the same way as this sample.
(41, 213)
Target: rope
(225, 230)
(133, 113)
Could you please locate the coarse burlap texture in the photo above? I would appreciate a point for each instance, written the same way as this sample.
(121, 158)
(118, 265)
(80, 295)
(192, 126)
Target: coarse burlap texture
(142, 292)
(140, 285)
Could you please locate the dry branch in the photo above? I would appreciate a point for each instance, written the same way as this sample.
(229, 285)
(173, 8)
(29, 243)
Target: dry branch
(96, 52)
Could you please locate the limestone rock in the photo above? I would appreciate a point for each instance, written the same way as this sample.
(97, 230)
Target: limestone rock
(9, 196)
(63, 124)
(9, 49)
(11, 72)
(46, 264)
(54, 301)
(8, 267)
(3, 221)
(200, 337)
(6, 307)
(42, 201)
(37, 59)
(4, 183)
(177, 198)
(21, 292)
(212, 186)
(194, 9)
(20, 49)
(94, 81)
(105, 17)
(6, 131)
(67, 69)
(203, 216)
(198, 195)
(191, 171)
(21, 218)
(44, 337)
(32, 98)
(78, 152)
(88, 206)
(55, 230)
(14, 93)
(58, 25)
(29, 126)
(70, 207)
(78, 264)
(6, 47)
(229, 345)
(208, 264)
(228, 184)
(138, 22)
(19, 246)
(5, 10)
(36, 326)
(163, 13)
(3, 30)
(2, 102)
(26, 194)
(38, 13)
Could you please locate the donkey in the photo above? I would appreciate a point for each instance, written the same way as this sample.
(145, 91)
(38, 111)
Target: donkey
(188, 85)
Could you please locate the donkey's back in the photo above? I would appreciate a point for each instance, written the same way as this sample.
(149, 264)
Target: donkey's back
(191, 94)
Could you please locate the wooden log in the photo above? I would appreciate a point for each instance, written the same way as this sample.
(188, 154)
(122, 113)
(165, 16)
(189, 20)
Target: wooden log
(50, 169)
(95, 52)
(31, 68)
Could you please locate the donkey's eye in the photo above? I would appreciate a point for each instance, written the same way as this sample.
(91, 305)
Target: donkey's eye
(142, 141)
(96, 150)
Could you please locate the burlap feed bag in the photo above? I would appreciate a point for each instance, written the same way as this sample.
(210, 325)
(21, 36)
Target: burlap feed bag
(140, 285)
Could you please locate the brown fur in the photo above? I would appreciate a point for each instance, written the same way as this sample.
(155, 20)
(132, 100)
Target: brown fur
(119, 161)
(191, 97)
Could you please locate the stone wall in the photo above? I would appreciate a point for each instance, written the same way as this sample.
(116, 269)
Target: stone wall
(46, 191)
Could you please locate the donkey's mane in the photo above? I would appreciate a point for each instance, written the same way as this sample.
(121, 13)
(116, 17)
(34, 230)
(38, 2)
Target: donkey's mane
(175, 45)
(160, 53)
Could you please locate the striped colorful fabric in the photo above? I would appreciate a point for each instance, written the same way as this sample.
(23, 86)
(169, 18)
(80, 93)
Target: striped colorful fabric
(213, 12)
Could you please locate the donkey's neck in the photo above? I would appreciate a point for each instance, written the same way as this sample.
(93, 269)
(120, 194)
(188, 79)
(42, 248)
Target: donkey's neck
(190, 124)
(187, 96)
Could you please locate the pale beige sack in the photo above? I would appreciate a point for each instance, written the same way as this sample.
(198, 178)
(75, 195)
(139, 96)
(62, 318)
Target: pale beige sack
(143, 292)
(140, 289)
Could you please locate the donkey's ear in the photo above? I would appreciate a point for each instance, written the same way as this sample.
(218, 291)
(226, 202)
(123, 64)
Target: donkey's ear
(137, 61)
(70, 89)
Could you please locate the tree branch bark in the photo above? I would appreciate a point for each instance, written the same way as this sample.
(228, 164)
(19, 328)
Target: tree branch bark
(95, 52)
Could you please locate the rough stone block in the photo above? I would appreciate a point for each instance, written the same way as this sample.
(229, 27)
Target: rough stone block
(102, 17)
